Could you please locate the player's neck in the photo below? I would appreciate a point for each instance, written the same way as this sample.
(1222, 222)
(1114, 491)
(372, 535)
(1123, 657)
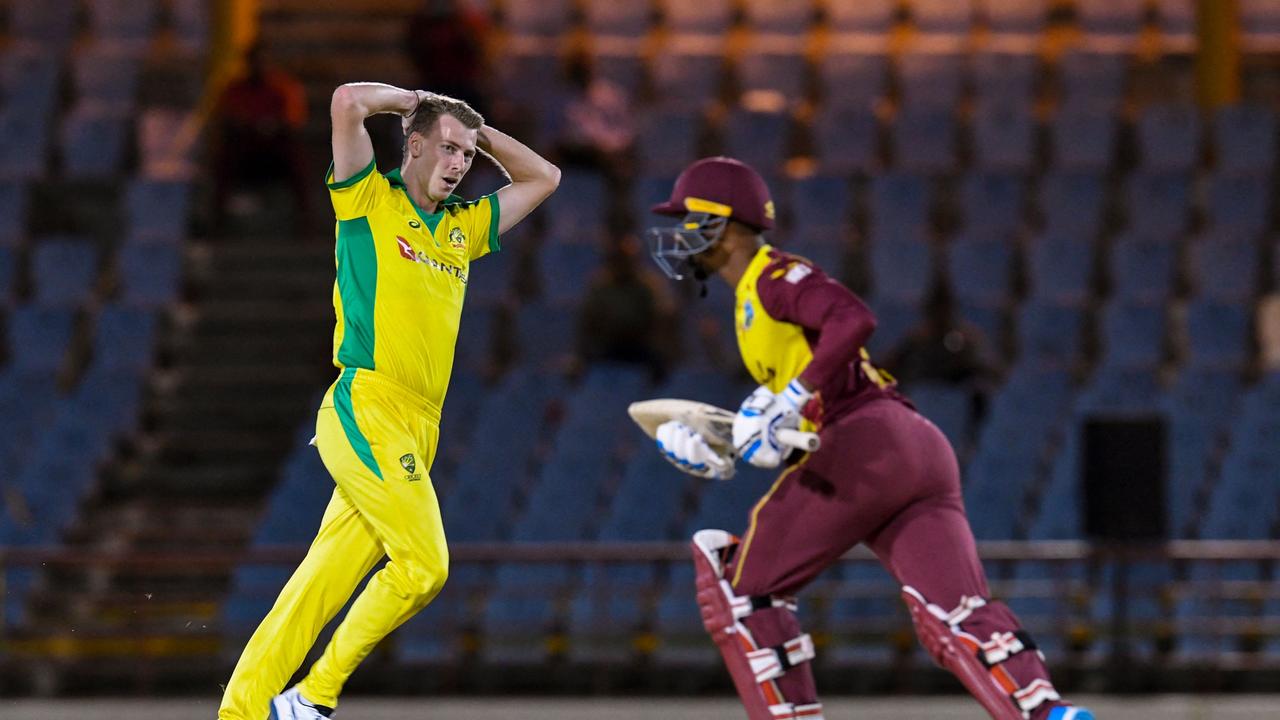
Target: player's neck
(736, 266)
(419, 196)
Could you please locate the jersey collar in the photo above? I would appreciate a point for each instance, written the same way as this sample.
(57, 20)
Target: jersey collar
(431, 219)
(755, 267)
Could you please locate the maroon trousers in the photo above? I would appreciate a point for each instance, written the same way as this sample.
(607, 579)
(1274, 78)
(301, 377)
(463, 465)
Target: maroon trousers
(887, 477)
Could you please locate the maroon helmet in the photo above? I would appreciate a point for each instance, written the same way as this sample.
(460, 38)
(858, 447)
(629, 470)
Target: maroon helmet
(708, 194)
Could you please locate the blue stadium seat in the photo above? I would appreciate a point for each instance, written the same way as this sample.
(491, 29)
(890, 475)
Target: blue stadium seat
(23, 142)
(854, 80)
(981, 269)
(900, 205)
(670, 140)
(1004, 77)
(158, 208)
(993, 203)
(1025, 410)
(106, 77)
(1048, 334)
(1243, 502)
(950, 407)
(13, 213)
(1224, 269)
(433, 635)
(687, 79)
(1217, 334)
(1142, 268)
(150, 273)
(1189, 448)
(1238, 204)
(576, 213)
(1093, 78)
(649, 190)
(705, 18)
(777, 72)
(1015, 16)
(29, 79)
(614, 19)
(8, 274)
(902, 268)
(821, 203)
(1083, 139)
(123, 20)
(625, 69)
(64, 271)
(124, 340)
(923, 139)
(1133, 335)
(894, 319)
(758, 138)
(1158, 204)
(93, 143)
(1060, 268)
(191, 22)
(994, 486)
(567, 268)
(1244, 139)
(1177, 18)
(1122, 390)
(1259, 18)
(825, 251)
(845, 139)
(49, 22)
(1169, 136)
(1004, 134)
(931, 79)
(726, 505)
(1073, 204)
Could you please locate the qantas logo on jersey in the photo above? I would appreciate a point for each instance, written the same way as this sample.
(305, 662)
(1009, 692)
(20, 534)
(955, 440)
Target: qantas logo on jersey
(407, 252)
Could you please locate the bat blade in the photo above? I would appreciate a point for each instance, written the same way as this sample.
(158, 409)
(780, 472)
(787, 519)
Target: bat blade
(713, 423)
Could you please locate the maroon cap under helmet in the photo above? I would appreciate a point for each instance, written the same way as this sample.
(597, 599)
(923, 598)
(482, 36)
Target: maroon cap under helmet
(721, 186)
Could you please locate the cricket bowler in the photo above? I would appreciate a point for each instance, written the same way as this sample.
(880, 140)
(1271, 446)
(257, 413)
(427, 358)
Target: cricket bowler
(883, 475)
(405, 244)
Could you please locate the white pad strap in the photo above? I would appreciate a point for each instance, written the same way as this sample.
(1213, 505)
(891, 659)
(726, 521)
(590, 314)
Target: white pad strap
(744, 605)
(1032, 696)
(770, 663)
(788, 711)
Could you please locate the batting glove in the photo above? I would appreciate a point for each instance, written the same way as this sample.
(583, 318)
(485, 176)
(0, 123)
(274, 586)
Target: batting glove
(760, 417)
(685, 448)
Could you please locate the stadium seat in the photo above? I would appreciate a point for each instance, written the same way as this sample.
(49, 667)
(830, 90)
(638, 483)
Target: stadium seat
(902, 268)
(820, 203)
(1142, 268)
(759, 139)
(1015, 16)
(1177, 18)
(1116, 389)
(1083, 139)
(845, 139)
(64, 271)
(1133, 335)
(924, 140)
(1073, 204)
(950, 407)
(157, 208)
(106, 77)
(150, 273)
(8, 274)
(852, 79)
(624, 69)
(566, 269)
(1060, 268)
(93, 143)
(777, 72)
(1050, 334)
(992, 203)
(537, 18)
(1158, 204)
(994, 486)
(1217, 334)
(778, 17)
(13, 213)
(1111, 17)
(577, 213)
(1242, 506)
(23, 142)
(712, 17)
(1238, 205)
(47, 22)
(605, 18)
(894, 319)
(900, 205)
(941, 16)
(1259, 20)
(1092, 80)
(128, 21)
(124, 340)
(670, 139)
(1004, 135)
(1004, 78)
(1244, 139)
(981, 269)
(860, 16)
(1169, 136)
(931, 79)
(29, 79)
(1224, 269)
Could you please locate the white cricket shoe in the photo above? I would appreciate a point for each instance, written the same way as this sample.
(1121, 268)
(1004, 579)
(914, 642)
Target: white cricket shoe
(290, 705)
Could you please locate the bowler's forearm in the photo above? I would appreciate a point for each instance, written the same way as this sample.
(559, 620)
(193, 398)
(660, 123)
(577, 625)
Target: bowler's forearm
(516, 159)
(357, 101)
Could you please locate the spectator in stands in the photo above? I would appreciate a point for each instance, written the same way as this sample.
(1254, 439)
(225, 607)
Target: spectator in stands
(1269, 332)
(627, 314)
(942, 348)
(445, 43)
(598, 129)
(257, 128)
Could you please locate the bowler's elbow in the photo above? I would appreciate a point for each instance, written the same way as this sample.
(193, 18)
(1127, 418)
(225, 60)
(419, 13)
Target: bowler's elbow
(551, 176)
(344, 103)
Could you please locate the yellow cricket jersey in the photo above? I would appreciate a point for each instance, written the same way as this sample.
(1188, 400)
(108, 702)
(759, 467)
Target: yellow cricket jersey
(402, 277)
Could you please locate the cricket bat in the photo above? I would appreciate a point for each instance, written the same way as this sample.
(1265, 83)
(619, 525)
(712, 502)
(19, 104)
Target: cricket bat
(713, 423)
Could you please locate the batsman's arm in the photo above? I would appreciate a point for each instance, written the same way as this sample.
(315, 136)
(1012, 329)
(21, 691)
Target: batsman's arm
(533, 178)
(817, 302)
(351, 104)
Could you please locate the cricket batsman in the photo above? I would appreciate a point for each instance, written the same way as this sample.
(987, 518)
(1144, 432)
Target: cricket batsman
(405, 244)
(883, 475)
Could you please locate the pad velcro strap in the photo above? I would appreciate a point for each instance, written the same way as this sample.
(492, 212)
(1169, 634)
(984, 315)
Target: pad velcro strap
(787, 711)
(1039, 691)
(771, 662)
(744, 605)
(1003, 646)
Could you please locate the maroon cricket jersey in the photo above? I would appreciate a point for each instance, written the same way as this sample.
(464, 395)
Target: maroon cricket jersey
(792, 320)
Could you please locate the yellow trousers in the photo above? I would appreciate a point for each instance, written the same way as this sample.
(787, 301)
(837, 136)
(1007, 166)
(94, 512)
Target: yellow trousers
(378, 440)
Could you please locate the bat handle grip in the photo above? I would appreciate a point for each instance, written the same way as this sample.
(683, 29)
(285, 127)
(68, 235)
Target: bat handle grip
(806, 441)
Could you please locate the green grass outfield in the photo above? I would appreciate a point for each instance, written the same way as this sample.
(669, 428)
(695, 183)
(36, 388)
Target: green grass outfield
(1206, 707)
